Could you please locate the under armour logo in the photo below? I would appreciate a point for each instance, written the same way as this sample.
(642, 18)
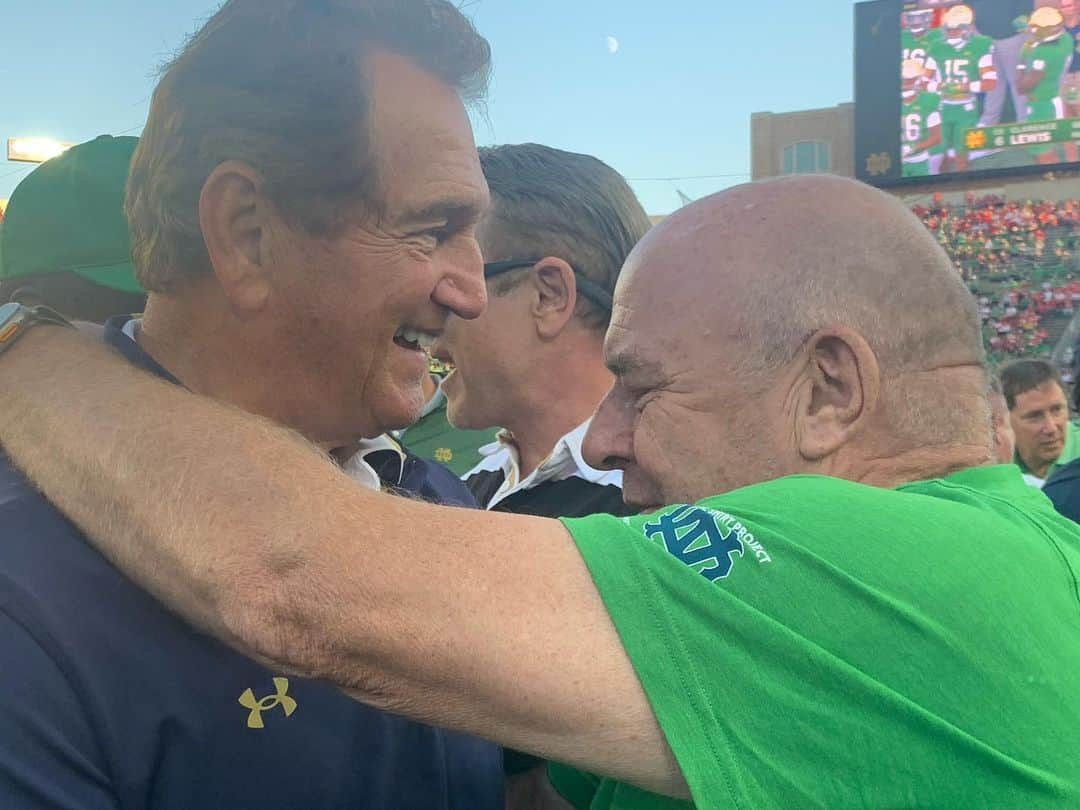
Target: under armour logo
(698, 538)
(257, 707)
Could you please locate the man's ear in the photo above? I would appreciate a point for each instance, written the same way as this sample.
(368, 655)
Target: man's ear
(554, 295)
(843, 381)
(232, 216)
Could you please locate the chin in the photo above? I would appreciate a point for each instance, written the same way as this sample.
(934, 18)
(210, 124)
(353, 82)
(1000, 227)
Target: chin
(399, 409)
(459, 417)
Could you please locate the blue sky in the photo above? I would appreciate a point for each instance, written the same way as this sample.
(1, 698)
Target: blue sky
(674, 101)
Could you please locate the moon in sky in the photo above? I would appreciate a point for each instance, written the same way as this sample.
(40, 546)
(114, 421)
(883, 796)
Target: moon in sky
(612, 45)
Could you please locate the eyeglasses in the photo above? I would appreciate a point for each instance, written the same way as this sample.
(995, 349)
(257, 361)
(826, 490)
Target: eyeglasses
(588, 289)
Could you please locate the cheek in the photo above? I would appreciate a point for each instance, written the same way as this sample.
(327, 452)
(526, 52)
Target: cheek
(659, 447)
(468, 345)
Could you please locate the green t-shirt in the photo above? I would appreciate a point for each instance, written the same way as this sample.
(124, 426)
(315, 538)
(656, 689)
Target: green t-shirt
(921, 115)
(918, 48)
(959, 66)
(433, 437)
(1053, 59)
(813, 642)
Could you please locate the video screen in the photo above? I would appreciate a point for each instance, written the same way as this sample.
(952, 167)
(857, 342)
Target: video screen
(982, 89)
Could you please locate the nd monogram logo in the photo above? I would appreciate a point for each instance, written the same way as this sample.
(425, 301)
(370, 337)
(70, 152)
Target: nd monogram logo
(696, 537)
(877, 164)
(257, 707)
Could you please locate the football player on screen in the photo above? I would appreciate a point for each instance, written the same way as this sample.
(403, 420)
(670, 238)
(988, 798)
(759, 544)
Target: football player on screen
(963, 67)
(1044, 60)
(918, 34)
(920, 122)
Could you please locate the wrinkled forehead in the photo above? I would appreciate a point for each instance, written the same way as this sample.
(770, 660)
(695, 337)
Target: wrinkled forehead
(665, 307)
(422, 141)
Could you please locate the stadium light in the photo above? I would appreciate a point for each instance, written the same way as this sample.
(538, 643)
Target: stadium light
(35, 150)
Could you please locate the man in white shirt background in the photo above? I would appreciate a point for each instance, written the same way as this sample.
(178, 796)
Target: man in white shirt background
(560, 227)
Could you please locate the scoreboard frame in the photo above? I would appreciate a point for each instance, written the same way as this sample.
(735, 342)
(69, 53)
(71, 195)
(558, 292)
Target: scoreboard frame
(878, 109)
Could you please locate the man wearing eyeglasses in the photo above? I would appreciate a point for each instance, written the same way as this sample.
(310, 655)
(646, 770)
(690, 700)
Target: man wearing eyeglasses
(559, 230)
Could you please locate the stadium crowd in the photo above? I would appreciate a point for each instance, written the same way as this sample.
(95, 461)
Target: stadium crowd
(993, 239)
(732, 521)
(1019, 259)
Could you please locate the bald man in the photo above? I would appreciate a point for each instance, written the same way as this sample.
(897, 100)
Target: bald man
(869, 617)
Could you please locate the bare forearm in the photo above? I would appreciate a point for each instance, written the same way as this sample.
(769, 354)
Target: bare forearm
(253, 535)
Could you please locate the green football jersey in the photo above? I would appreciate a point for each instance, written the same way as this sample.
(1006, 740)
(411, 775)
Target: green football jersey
(814, 642)
(918, 48)
(1053, 59)
(957, 67)
(922, 114)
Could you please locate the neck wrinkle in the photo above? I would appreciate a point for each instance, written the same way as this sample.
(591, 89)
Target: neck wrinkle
(922, 464)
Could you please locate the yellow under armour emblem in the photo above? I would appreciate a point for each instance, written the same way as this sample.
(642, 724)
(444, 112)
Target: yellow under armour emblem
(279, 698)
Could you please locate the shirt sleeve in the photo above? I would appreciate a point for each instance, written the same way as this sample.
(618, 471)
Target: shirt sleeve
(755, 623)
(49, 756)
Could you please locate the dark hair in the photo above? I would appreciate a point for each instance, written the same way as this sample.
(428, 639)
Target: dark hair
(278, 85)
(71, 295)
(1022, 376)
(547, 202)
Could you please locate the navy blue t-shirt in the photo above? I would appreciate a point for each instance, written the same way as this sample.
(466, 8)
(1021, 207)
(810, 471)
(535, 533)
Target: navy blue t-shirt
(108, 700)
(1063, 490)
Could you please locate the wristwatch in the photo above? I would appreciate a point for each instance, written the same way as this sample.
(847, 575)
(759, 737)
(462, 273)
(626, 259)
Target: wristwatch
(16, 320)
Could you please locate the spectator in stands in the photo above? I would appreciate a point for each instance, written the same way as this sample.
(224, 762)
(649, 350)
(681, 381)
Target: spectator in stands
(271, 139)
(1022, 244)
(65, 243)
(1004, 437)
(1039, 414)
(868, 600)
(559, 229)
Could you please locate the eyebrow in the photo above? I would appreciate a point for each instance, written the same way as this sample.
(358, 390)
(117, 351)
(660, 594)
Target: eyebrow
(624, 364)
(448, 210)
(1036, 411)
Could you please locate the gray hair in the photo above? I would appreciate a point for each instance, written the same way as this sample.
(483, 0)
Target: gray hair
(278, 85)
(547, 202)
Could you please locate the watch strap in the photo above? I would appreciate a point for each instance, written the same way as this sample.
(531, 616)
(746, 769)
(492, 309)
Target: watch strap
(25, 319)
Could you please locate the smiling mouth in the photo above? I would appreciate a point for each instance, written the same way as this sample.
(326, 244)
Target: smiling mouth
(414, 340)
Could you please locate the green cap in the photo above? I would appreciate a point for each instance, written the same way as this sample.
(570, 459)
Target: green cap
(67, 215)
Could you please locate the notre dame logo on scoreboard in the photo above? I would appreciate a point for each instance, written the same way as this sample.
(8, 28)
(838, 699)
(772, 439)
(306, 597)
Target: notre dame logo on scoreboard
(878, 164)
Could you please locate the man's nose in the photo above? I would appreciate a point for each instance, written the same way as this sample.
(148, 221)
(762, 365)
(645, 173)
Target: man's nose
(461, 289)
(609, 443)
